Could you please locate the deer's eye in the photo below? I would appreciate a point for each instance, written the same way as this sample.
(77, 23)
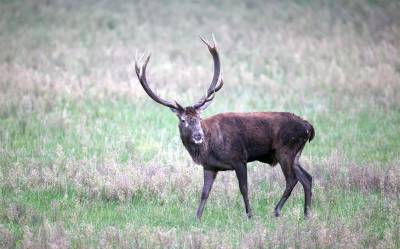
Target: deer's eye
(183, 121)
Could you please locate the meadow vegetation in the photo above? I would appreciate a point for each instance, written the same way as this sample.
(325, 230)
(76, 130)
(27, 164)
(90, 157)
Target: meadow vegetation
(87, 160)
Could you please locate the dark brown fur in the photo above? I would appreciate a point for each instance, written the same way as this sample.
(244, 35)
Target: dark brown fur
(231, 140)
(247, 137)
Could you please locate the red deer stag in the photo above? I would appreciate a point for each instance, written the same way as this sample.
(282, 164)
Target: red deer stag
(228, 141)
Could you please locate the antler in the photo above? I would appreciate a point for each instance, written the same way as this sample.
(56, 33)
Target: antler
(217, 78)
(141, 74)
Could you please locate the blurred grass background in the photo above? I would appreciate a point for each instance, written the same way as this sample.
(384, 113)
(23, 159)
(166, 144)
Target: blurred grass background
(88, 160)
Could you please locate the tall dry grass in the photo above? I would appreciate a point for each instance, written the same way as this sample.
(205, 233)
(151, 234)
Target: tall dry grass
(67, 85)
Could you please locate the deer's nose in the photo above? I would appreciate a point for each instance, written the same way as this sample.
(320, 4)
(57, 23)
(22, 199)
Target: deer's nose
(197, 136)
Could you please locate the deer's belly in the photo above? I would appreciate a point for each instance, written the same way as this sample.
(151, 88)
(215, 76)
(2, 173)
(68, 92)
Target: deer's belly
(219, 167)
(215, 164)
(265, 157)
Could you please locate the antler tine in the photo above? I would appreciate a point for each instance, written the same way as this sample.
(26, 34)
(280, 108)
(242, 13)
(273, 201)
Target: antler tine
(140, 70)
(208, 97)
(214, 41)
(138, 65)
(210, 47)
(221, 83)
(216, 89)
(145, 64)
(217, 78)
(204, 41)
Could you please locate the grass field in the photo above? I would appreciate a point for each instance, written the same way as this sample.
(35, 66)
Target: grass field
(88, 160)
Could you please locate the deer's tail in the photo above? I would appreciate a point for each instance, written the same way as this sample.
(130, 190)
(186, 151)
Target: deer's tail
(311, 132)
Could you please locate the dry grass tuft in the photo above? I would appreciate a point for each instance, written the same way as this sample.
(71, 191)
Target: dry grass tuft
(7, 239)
(310, 234)
(366, 178)
(111, 180)
(48, 236)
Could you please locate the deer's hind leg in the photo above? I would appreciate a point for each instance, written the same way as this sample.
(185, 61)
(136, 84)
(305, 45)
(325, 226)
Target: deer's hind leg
(306, 180)
(286, 162)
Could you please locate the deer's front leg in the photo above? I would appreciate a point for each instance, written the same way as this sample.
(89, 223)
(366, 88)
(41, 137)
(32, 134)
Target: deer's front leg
(241, 173)
(209, 177)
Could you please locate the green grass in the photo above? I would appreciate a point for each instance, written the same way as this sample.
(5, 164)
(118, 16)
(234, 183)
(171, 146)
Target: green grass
(127, 131)
(227, 218)
(88, 160)
(116, 128)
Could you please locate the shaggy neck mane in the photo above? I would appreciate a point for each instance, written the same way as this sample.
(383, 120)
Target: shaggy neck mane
(197, 151)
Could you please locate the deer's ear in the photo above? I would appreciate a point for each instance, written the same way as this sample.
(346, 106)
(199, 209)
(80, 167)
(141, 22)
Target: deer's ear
(176, 111)
(179, 110)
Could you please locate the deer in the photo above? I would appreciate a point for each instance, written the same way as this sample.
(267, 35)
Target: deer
(228, 141)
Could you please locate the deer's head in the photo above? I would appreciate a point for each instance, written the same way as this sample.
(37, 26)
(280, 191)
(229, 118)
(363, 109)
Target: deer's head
(189, 117)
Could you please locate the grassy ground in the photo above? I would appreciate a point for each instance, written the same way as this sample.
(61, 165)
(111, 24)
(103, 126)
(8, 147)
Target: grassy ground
(88, 160)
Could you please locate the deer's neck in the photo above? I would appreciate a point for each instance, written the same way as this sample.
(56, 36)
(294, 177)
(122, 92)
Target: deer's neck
(198, 152)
